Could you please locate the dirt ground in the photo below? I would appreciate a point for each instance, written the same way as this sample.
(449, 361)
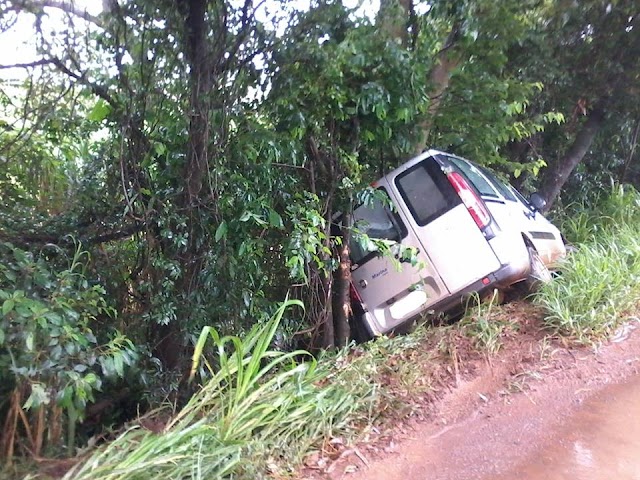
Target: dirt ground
(496, 410)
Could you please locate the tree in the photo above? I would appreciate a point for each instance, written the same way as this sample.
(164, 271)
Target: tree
(584, 55)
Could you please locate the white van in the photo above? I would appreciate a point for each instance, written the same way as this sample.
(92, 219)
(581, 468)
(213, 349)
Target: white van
(471, 232)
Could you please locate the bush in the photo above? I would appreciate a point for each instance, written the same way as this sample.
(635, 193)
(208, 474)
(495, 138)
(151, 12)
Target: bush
(49, 356)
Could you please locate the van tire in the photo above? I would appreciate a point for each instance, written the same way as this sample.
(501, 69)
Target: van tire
(538, 271)
(359, 332)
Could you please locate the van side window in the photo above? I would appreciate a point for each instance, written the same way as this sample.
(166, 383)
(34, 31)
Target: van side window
(475, 177)
(426, 191)
(500, 186)
(376, 220)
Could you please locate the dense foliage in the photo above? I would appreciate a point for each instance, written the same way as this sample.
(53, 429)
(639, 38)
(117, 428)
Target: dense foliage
(168, 165)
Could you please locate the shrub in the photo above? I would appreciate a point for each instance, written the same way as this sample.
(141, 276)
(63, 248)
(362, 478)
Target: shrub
(50, 359)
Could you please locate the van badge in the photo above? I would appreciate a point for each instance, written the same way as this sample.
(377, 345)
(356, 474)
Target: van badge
(381, 273)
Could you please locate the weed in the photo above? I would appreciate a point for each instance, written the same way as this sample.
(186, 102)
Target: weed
(598, 286)
(482, 324)
(255, 402)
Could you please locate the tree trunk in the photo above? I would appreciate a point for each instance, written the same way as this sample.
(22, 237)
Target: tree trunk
(557, 174)
(341, 300)
(169, 347)
(446, 62)
(201, 82)
(393, 19)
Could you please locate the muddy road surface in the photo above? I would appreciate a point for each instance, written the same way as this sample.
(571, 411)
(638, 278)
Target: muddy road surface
(572, 415)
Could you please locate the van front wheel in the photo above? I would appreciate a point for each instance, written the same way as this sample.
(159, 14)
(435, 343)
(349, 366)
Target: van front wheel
(538, 271)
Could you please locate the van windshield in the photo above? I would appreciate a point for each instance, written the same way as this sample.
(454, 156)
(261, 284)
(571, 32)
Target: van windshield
(500, 186)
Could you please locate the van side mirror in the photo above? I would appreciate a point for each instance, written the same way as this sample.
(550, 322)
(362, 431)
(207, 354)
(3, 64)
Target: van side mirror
(537, 201)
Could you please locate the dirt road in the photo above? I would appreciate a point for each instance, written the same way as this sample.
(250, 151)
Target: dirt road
(546, 413)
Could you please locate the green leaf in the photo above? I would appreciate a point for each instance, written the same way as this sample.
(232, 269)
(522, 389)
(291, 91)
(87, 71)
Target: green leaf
(99, 112)
(160, 148)
(39, 396)
(29, 341)
(275, 219)
(7, 306)
(118, 364)
(1, 337)
(221, 231)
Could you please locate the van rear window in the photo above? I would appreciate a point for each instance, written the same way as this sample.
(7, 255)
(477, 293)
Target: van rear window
(426, 191)
(376, 220)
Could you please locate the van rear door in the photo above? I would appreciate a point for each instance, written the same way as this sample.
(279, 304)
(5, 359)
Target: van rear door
(445, 213)
(392, 290)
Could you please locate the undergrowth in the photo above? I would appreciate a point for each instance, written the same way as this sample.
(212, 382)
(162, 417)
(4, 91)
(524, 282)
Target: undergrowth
(599, 283)
(484, 324)
(259, 411)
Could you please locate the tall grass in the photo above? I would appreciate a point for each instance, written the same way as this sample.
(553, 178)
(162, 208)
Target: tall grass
(600, 282)
(483, 324)
(584, 223)
(257, 403)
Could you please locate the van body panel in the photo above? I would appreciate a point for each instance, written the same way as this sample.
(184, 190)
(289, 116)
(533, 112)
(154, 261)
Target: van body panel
(391, 290)
(454, 243)
(457, 253)
(458, 249)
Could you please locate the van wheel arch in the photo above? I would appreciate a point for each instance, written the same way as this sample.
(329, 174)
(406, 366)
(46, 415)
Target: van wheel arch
(538, 271)
(359, 331)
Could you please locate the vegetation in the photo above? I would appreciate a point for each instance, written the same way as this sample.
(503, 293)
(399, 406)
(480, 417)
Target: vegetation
(484, 325)
(598, 288)
(170, 167)
(258, 407)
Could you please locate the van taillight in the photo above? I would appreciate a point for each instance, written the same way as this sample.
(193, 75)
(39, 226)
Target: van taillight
(354, 293)
(476, 207)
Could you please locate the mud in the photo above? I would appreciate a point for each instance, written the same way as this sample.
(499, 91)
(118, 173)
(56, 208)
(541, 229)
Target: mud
(537, 410)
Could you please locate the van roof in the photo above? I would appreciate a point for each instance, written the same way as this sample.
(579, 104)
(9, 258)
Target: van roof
(410, 163)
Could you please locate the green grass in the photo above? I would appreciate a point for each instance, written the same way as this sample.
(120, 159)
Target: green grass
(261, 411)
(600, 282)
(585, 223)
(484, 325)
(599, 285)
(255, 403)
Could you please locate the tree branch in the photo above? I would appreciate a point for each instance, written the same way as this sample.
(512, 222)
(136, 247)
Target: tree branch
(81, 78)
(37, 63)
(28, 239)
(67, 6)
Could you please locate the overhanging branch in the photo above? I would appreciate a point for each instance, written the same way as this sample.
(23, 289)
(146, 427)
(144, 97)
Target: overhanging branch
(67, 6)
(36, 63)
(81, 78)
(28, 239)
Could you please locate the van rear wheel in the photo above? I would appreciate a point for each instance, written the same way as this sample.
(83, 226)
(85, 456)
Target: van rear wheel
(538, 271)
(359, 331)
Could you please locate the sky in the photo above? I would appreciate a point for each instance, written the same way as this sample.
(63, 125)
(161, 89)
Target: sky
(18, 41)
